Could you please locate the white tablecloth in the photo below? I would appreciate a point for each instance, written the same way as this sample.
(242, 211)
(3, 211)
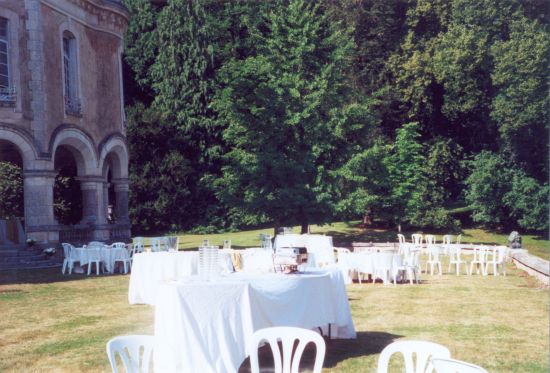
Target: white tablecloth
(107, 256)
(319, 248)
(151, 269)
(204, 326)
(370, 263)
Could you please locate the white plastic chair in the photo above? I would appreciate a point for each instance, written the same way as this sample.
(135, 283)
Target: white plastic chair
(122, 255)
(417, 240)
(447, 243)
(267, 244)
(287, 336)
(94, 256)
(423, 351)
(156, 243)
(135, 352)
(410, 266)
(455, 258)
(138, 246)
(458, 239)
(480, 256)
(495, 258)
(401, 238)
(226, 244)
(455, 366)
(433, 259)
(68, 258)
(430, 239)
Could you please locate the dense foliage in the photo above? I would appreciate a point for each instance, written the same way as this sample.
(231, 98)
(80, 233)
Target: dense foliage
(11, 190)
(300, 111)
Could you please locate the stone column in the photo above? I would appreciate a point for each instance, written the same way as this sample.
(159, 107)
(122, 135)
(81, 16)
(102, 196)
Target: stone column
(92, 200)
(40, 223)
(122, 198)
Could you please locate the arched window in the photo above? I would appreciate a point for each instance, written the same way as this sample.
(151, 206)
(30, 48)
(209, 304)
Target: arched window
(70, 70)
(7, 91)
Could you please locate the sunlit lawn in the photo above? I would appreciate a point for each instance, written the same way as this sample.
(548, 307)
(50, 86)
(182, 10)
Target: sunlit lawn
(55, 323)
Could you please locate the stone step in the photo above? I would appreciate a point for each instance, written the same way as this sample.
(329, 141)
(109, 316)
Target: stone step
(36, 265)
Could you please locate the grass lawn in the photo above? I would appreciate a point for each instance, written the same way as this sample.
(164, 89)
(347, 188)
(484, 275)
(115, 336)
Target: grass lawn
(55, 323)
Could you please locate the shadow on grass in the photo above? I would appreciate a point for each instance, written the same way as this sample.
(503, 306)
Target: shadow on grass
(338, 350)
(40, 276)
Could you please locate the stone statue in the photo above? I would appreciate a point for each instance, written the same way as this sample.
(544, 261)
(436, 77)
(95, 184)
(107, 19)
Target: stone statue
(515, 240)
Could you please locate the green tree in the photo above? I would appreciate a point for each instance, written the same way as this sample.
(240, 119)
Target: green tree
(11, 190)
(521, 105)
(288, 126)
(406, 169)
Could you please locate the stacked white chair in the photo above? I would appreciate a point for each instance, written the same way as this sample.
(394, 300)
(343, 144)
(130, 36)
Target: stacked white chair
(122, 255)
(495, 258)
(455, 366)
(423, 351)
(455, 258)
(68, 258)
(289, 360)
(480, 256)
(135, 352)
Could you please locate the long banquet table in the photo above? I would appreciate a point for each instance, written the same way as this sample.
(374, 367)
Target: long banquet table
(203, 326)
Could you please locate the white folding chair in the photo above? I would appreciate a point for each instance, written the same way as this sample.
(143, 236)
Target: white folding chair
(422, 350)
(455, 258)
(495, 258)
(480, 256)
(122, 255)
(289, 362)
(68, 258)
(455, 366)
(135, 352)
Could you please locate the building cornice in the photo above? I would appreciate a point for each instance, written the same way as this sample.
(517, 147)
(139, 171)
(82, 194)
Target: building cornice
(103, 15)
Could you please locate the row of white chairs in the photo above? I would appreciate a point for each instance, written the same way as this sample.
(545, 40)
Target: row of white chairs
(419, 356)
(484, 258)
(429, 239)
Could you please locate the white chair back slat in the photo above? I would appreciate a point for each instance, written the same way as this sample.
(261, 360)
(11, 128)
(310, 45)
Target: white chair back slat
(422, 350)
(287, 362)
(135, 352)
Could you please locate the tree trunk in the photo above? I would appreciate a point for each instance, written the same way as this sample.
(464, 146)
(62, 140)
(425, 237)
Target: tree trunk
(305, 227)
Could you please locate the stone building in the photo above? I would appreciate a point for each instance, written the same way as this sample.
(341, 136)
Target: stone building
(61, 107)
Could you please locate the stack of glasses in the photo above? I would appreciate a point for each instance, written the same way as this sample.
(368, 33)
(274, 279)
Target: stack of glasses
(208, 262)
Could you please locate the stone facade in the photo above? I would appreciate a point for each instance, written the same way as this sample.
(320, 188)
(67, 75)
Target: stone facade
(41, 117)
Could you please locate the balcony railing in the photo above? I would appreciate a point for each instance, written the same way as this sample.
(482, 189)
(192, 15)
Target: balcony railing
(8, 96)
(73, 106)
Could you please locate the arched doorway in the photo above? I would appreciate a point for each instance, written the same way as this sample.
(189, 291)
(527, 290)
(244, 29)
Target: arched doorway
(67, 191)
(12, 192)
